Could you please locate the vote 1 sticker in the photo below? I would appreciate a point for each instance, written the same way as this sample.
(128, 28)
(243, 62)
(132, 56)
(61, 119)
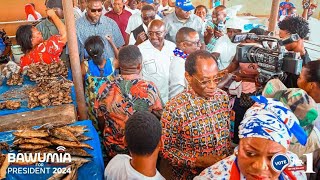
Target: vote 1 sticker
(279, 162)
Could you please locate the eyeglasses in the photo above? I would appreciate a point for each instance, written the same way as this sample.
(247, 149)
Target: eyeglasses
(146, 18)
(157, 33)
(96, 10)
(197, 43)
(205, 83)
(215, 80)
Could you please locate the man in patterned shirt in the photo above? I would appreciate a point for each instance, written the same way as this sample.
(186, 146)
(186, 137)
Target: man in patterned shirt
(196, 122)
(117, 101)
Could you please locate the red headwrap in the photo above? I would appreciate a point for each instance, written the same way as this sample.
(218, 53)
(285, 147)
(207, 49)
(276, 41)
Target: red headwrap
(29, 9)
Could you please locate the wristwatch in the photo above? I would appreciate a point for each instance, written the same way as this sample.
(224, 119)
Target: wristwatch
(306, 4)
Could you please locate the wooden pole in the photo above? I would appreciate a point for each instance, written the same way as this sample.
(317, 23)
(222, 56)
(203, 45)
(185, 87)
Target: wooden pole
(274, 15)
(74, 58)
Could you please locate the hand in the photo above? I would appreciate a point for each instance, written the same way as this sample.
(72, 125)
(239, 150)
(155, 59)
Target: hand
(218, 34)
(51, 13)
(210, 30)
(109, 38)
(141, 38)
(236, 78)
(206, 161)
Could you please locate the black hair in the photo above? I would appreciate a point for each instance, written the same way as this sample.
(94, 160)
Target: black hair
(313, 71)
(32, 4)
(147, 7)
(221, 6)
(183, 34)
(257, 31)
(130, 56)
(191, 62)
(24, 36)
(200, 6)
(95, 47)
(142, 133)
(54, 4)
(295, 24)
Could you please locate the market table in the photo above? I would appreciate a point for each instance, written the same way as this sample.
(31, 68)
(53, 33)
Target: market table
(90, 171)
(18, 93)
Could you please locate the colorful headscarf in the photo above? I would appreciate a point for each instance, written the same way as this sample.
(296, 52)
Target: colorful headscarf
(29, 9)
(299, 102)
(270, 119)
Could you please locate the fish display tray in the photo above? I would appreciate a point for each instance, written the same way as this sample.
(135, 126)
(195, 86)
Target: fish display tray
(90, 171)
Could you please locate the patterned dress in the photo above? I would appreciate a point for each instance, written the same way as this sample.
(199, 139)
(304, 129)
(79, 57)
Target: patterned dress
(117, 101)
(49, 51)
(228, 169)
(94, 78)
(194, 126)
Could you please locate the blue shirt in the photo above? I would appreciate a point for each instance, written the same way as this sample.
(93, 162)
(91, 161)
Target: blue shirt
(95, 70)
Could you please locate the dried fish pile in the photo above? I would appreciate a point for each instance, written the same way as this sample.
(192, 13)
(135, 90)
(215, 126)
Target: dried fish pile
(12, 105)
(46, 140)
(42, 72)
(3, 160)
(11, 71)
(54, 93)
(15, 79)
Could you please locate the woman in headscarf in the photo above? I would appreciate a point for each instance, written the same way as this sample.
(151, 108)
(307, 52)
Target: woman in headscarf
(31, 13)
(266, 130)
(304, 108)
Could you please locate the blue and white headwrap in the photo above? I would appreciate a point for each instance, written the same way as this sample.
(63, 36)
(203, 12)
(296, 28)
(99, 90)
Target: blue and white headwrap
(270, 119)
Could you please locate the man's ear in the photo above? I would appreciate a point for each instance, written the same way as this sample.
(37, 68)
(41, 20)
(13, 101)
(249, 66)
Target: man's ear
(161, 143)
(124, 141)
(139, 67)
(188, 77)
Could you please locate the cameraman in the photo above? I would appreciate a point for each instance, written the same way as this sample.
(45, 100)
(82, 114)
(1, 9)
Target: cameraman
(247, 73)
(294, 25)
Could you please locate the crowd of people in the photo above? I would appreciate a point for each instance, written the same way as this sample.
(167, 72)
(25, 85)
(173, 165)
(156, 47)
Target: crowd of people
(153, 73)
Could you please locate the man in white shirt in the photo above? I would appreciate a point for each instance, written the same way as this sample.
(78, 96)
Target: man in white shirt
(187, 41)
(156, 53)
(143, 138)
(79, 9)
(137, 20)
(138, 35)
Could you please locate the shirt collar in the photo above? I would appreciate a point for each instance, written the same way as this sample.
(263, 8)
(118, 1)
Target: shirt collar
(179, 53)
(178, 20)
(89, 22)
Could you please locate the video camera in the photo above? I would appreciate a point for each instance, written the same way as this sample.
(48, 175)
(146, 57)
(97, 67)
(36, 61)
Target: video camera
(272, 58)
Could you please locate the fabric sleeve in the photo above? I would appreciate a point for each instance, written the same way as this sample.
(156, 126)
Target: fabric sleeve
(155, 96)
(24, 61)
(202, 28)
(130, 25)
(54, 45)
(171, 127)
(116, 34)
(176, 78)
(30, 18)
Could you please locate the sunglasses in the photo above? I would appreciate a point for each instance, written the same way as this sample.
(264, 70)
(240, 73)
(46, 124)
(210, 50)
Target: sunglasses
(96, 10)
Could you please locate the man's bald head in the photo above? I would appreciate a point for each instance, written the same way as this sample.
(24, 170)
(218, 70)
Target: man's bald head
(157, 23)
(156, 33)
(188, 40)
(183, 34)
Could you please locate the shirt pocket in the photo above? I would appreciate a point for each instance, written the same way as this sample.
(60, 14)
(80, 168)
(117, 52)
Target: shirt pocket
(150, 67)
